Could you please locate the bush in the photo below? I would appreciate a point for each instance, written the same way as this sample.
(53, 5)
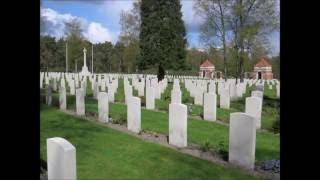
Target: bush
(187, 99)
(221, 149)
(201, 115)
(55, 102)
(276, 123)
(276, 126)
(205, 146)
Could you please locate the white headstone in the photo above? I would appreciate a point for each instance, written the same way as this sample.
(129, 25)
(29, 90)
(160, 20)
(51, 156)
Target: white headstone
(103, 107)
(198, 98)
(150, 101)
(80, 102)
(128, 93)
(254, 109)
(242, 140)
(178, 125)
(62, 98)
(48, 95)
(225, 99)
(140, 89)
(72, 88)
(54, 84)
(210, 107)
(110, 95)
(61, 159)
(95, 90)
(176, 96)
(212, 87)
(134, 114)
(257, 94)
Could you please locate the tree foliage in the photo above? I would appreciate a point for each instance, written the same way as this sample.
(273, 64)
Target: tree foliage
(162, 35)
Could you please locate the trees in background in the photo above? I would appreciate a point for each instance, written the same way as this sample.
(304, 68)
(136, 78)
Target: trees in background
(215, 27)
(153, 37)
(76, 44)
(240, 26)
(129, 38)
(162, 35)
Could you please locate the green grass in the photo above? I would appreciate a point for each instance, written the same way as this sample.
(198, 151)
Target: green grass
(104, 153)
(268, 144)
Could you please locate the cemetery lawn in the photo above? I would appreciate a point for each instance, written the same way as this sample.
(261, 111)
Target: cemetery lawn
(199, 131)
(104, 153)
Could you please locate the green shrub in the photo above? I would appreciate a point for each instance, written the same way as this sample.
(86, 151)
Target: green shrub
(276, 126)
(276, 123)
(205, 146)
(222, 150)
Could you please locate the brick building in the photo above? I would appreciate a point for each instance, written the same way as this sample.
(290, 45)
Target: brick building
(262, 70)
(207, 69)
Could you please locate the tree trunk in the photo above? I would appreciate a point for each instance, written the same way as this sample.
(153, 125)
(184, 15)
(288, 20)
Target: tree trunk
(241, 43)
(223, 41)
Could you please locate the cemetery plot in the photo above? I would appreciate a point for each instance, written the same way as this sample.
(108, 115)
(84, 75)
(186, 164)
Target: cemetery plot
(104, 153)
(119, 99)
(199, 132)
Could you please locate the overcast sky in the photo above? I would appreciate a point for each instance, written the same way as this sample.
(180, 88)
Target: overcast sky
(100, 19)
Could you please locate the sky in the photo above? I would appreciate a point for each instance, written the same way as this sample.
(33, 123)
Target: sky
(100, 20)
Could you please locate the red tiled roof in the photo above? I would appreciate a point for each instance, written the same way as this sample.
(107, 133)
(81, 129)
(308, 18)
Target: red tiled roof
(263, 63)
(206, 63)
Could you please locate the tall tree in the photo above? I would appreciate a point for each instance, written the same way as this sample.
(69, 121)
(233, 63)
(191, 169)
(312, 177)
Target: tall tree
(251, 19)
(47, 51)
(215, 26)
(129, 36)
(162, 35)
(75, 42)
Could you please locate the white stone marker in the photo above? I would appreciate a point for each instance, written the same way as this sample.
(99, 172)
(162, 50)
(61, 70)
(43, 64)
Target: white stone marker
(210, 107)
(61, 159)
(176, 96)
(80, 102)
(225, 99)
(84, 87)
(150, 98)
(178, 125)
(278, 91)
(198, 98)
(103, 107)
(134, 114)
(54, 84)
(72, 88)
(110, 95)
(140, 89)
(242, 140)
(254, 109)
(62, 98)
(212, 87)
(95, 90)
(128, 93)
(257, 94)
(103, 86)
(49, 95)
(41, 82)
(63, 83)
